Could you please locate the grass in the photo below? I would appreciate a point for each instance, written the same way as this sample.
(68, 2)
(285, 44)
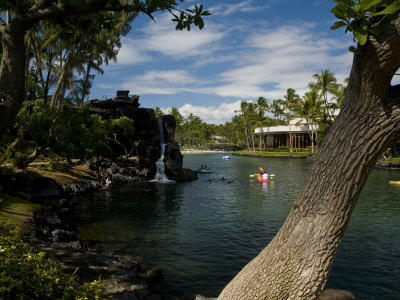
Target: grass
(72, 174)
(15, 211)
(391, 159)
(267, 153)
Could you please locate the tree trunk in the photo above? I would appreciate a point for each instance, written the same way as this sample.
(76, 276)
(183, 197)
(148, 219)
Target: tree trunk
(297, 262)
(62, 83)
(12, 73)
(86, 84)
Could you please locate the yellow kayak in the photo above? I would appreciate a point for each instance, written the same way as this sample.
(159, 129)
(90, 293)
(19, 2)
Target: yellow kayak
(394, 182)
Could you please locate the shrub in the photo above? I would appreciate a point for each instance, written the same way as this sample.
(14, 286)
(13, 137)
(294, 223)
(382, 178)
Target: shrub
(26, 273)
(58, 165)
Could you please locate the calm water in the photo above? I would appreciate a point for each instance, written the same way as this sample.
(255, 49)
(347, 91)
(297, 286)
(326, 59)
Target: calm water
(203, 232)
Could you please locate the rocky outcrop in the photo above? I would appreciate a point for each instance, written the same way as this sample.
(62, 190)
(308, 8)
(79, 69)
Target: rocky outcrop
(173, 164)
(28, 185)
(331, 294)
(144, 143)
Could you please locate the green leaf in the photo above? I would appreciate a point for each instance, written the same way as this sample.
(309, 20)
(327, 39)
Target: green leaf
(367, 4)
(391, 9)
(338, 24)
(356, 9)
(361, 37)
(339, 12)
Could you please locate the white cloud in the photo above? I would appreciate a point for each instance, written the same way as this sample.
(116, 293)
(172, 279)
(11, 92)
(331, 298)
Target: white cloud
(160, 82)
(259, 63)
(162, 37)
(210, 114)
(131, 53)
(283, 57)
(241, 7)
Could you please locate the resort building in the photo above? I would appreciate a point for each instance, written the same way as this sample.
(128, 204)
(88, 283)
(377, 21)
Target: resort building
(299, 129)
(276, 136)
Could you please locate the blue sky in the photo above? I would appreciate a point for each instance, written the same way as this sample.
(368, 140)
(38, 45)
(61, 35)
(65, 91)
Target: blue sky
(247, 49)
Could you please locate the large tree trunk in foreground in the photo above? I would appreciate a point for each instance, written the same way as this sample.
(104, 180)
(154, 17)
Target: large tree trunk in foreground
(12, 74)
(297, 262)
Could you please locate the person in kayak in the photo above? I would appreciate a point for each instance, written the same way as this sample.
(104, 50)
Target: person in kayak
(265, 176)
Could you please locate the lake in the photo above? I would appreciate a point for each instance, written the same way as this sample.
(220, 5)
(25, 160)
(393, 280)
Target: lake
(201, 233)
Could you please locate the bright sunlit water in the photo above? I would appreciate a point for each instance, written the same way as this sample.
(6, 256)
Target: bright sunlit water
(202, 233)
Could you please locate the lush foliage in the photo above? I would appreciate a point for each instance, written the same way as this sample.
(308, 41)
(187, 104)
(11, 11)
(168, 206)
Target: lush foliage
(316, 108)
(363, 17)
(71, 133)
(26, 273)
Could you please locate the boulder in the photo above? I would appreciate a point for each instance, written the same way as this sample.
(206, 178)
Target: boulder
(62, 236)
(170, 125)
(200, 297)
(173, 164)
(331, 294)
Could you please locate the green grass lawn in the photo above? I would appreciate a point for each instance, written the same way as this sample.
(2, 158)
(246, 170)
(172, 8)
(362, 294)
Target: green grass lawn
(391, 159)
(15, 211)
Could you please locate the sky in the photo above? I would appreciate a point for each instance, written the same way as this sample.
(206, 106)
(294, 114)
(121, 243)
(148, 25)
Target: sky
(247, 49)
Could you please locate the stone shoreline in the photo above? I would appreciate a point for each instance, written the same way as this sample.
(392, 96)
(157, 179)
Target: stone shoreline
(51, 229)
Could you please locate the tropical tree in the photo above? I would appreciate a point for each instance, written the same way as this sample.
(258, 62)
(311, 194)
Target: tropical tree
(326, 83)
(247, 115)
(309, 108)
(193, 130)
(297, 262)
(179, 122)
(158, 112)
(287, 105)
(261, 106)
(339, 91)
(25, 14)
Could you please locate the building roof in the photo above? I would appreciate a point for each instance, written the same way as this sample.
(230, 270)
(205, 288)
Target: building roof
(302, 128)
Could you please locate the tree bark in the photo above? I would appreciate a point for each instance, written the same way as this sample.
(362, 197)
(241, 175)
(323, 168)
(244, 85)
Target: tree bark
(297, 262)
(12, 72)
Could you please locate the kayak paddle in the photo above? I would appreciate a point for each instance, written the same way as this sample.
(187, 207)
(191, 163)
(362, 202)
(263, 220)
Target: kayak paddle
(271, 175)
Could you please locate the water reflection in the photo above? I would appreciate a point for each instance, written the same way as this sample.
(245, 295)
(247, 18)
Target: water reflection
(202, 233)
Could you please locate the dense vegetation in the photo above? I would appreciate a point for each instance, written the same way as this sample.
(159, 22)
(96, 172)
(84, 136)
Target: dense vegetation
(27, 273)
(316, 107)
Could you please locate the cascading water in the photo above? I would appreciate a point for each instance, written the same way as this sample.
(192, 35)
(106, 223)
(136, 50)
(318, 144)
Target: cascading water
(160, 175)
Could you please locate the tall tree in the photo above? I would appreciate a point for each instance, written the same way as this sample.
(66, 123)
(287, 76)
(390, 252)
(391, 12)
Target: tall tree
(309, 108)
(287, 105)
(26, 13)
(297, 262)
(276, 109)
(262, 106)
(326, 83)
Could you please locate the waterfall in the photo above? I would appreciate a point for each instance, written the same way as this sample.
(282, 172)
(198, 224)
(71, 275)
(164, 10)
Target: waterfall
(160, 175)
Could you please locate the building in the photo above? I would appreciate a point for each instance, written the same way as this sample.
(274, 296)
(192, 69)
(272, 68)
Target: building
(301, 131)
(279, 136)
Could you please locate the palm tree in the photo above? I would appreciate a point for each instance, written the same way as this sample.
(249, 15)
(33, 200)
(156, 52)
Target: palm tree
(309, 108)
(339, 92)
(287, 104)
(276, 109)
(262, 106)
(326, 83)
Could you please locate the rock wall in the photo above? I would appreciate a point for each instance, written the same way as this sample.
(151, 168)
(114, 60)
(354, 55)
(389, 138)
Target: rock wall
(146, 148)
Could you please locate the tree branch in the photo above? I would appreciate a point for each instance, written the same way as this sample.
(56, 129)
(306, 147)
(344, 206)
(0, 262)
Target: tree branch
(42, 13)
